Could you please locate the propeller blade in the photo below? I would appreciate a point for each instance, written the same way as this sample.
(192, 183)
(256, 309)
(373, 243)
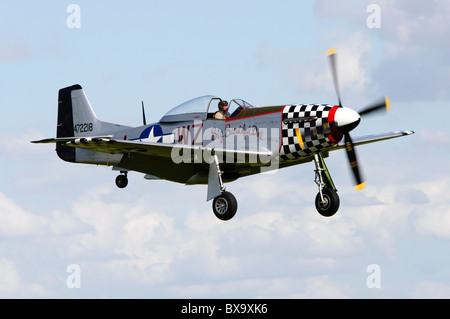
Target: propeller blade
(332, 58)
(351, 154)
(378, 106)
(143, 114)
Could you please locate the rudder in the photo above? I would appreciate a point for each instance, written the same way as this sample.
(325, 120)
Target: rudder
(76, 118)
(64, 127)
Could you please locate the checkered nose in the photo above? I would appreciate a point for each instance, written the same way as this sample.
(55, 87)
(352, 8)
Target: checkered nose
(346, 119)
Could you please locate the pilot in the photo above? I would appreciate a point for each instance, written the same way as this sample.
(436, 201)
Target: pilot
(222, 113)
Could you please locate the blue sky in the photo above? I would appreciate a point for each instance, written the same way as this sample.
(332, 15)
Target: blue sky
(159, 239)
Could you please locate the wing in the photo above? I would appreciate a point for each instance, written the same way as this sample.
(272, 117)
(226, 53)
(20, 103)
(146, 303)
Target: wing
(374, 138)
(177, 152)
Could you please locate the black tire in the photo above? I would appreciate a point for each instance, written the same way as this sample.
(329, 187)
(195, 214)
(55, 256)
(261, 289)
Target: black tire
(224, 206)
(121, 181)
(331, 204)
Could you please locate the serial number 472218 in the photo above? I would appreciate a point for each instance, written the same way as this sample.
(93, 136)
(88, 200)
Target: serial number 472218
(83, 127)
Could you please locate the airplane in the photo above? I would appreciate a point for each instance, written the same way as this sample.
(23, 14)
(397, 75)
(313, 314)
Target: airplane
(190, 145)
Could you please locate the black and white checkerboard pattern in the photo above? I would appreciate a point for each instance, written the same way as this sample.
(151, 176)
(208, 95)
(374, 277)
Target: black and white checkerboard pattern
(313, 133)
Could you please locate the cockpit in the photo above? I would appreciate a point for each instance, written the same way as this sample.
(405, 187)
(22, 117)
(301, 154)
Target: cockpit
(236, 106)
(203, 108)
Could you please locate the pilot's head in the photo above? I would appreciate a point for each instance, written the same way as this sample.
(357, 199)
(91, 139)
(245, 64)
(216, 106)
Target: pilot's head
(223, 105)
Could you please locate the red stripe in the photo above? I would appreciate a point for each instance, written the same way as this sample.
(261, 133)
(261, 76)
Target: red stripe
(335, 136)
(331, 114)
(229, 119)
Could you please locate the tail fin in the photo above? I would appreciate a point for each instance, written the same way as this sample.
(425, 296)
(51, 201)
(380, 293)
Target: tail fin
(76, 118)
(65, 122)
(75, 114)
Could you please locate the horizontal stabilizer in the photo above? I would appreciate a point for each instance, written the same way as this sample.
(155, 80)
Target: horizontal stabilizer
(67, 139)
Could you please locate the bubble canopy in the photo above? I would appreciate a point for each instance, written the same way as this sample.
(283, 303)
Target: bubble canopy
(202, 108)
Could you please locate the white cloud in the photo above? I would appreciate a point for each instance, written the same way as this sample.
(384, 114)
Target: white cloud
(16, 222)
(432, 137)
(309, 73)
(16, 146)
(323, 287)
(282, 287)
(433, 217)
(135, 241)
(430, 289)
(10, 277)
(414, 35)
(12, 283)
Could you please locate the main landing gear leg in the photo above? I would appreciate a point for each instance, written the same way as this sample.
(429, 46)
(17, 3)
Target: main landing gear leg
(327, 200)
(122, 179)
(224, 204)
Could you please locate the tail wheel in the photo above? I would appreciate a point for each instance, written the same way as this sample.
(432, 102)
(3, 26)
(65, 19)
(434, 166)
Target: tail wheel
(225, 206)
(121, 181)
(330, 204)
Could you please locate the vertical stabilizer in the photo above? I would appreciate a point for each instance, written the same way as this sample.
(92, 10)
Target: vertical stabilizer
(76, 118)
(64, 127)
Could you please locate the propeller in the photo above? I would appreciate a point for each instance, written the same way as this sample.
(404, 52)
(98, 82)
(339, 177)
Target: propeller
(351, 120)
(375, 107)
(332, 57)
(143, 114)
(351, 154)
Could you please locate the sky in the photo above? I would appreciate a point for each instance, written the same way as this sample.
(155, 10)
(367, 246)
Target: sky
(66, 230)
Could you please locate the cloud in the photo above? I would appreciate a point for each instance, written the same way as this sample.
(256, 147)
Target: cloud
(314, 74)
(416, 49)
(430, 289)
(12, 283)
(280, 247)
(432, 137)
(16, 222)
(16, 146)
(323, 287)
(309, 72)
(413, 196)
(412, 65)
(431, 216)
(10, 278)
(282, 287)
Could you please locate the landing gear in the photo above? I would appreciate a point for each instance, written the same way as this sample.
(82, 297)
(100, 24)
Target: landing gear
(328, 204)
(122, 180)
(327, 200)
(224, 206)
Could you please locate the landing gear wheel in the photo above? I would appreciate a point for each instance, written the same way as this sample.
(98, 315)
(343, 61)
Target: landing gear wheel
(330, 205)
(121, 181)
(224, 206)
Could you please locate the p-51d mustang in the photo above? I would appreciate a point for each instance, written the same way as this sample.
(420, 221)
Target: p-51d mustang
(189, 145)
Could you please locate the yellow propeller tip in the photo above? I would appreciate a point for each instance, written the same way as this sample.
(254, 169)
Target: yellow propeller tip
(360, 186)
(388, 105)
(331, 51)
